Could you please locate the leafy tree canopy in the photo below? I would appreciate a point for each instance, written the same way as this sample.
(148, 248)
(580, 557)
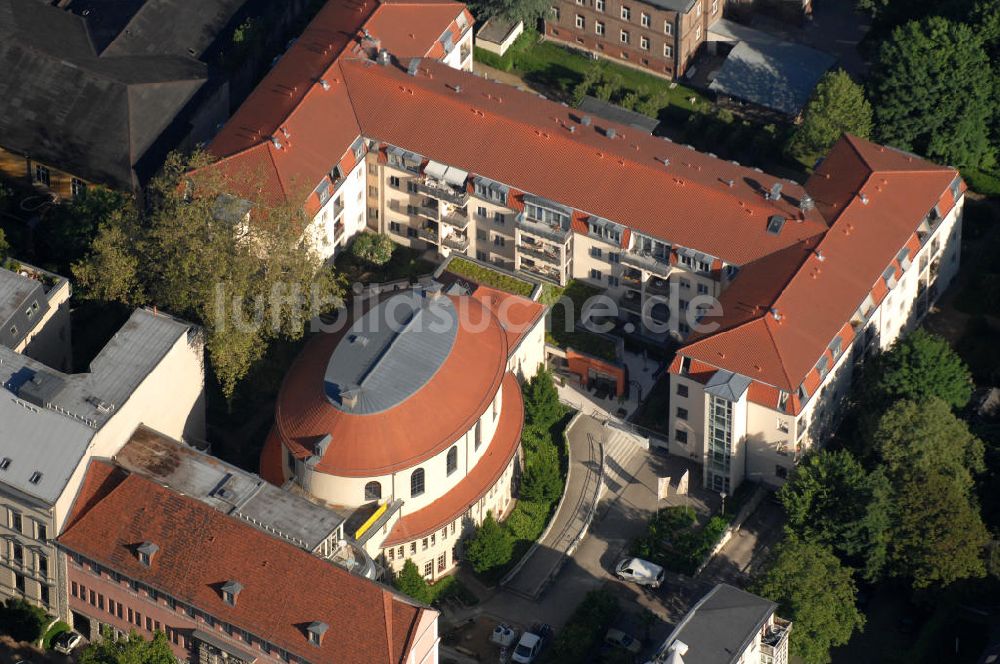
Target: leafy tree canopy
(918, 366)
(490, 547)
(816, 592)
(927, 437)
(838, 105)
(374, 248)
(247, 280)
(410, 582)
(541, 401)
(933, 92)
(21, 620)
(831, 499)
(938, 536)
(528, 11)
(131, 649)
(542, 481)
(74, 224)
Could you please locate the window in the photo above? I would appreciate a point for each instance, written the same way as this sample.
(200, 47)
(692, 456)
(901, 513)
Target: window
(15, 521)
(41, 174)
(452, 460)
(423, 544)
(395, 227)
(373, 491)
(390, 554)
(624, 36)
(599, 6)
(715, 6)
(481, 211)
(35, 478)
(643, 43)
(17, 553)
(555, 13)
(394, 181)
(626, 13)
(43, 594)
(5, 463)
(599, 28)
(612, 281)
(498, 217)
(644, 19)
(580, 22)
(697, 33)
(411, 186)
(596, 274)
(668, 28)
(681, 436)
(479, 434)
(702, 289)
(429, 568)
(442, 561)
(417, 483)
(19, 582)
(595, 252)
(682, 390)
(783, 426)
(697, 9)
(42, 565)
(77, 187)
(682, 413)
(614, 257)
(499, 240)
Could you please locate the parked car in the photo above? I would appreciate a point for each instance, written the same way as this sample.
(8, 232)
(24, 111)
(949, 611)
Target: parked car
(66, 642)
(639, 571)
(531, 644)
(620, 639)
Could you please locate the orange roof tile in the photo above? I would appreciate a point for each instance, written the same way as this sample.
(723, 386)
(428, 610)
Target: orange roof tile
(473, 486)
(516, 314)
(200, 548)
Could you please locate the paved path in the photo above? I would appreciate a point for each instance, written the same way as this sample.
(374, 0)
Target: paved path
(585, 436)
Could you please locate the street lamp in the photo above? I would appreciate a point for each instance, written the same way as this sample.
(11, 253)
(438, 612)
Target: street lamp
(724, 495)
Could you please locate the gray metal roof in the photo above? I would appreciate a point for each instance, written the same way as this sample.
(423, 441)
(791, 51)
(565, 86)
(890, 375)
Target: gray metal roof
(720, 626)
(776, 75)
(228, 489)
(615, 113)
(727, 385)
(50, 417)
(391, 352)
(19, 294)
(496, 30)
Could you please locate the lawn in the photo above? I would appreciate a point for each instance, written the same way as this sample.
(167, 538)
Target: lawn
(405, 263)
(450, 587)
(482, 274)
(566, 334)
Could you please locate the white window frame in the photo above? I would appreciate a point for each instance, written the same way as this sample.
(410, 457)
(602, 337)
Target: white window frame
(599, 28)
(668, 28)
(581, 22)
(623, 36)
(644, 42)
(626, 13)
(644, 20)
(599, 5)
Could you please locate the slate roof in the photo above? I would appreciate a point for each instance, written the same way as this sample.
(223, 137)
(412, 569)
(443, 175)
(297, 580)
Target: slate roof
(94, 114)
(720, 626)
(50, 417)
(776, 75)
(17, 295)
(615, 113)
(201, 548)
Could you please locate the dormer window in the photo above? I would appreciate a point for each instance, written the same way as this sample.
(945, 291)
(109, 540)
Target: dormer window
(5, 463)
(230, 590)
(35, 478)
(145, 552)
(316, 630)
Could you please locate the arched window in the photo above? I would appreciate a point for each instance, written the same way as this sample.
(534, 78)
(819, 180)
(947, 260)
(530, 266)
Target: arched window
(417, 483)
(373, 491)
(452, 460)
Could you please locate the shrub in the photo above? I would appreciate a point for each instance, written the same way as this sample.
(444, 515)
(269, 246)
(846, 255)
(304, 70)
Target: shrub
(490, 547)
(374, 248)
(527, 519)
(410, 582)
(583, 632)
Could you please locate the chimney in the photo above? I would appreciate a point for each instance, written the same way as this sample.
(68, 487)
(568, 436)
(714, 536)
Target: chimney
(585, 121)
(806, 203)
(383, 57)
(610, 132)
(864, 199)
(324, 83)
(819, 255)
(775, 314)
(775, 193)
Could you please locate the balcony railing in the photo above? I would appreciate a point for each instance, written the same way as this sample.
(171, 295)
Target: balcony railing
(428, 209)
(774, 642)
(460, 242)
(658, 286)
(657, 264)
(554, 233)
(632, 301)
(540, 251)
(429, 234)
(444, 193)
(544, 272)
(456, 218)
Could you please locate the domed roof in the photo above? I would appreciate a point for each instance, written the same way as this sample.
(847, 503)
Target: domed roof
(396, 387)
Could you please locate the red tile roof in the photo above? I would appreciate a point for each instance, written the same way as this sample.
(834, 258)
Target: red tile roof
(416, 429)
(473, 486)
(516, 314)
(820, 297)
(200, 548)
(623, 179)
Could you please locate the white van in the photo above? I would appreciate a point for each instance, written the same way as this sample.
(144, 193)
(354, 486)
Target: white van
(639, 571)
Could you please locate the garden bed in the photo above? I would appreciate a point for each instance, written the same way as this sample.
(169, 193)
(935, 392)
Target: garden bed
(405, 263)
(566, 334)
(482, 274)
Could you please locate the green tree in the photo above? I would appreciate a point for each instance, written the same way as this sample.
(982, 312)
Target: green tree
(374, 248)
(815, 591)
(933, 92)
(410, 582)
(926, 437)
(72, 226)
(542, 481)
(4, 246)
(838, 105)
(541, 401)
(528, 11)
(917, 366)
(238, 268)
(831, 499)
(21, 620)
(490, 547)
(131, 649)
(938, 535)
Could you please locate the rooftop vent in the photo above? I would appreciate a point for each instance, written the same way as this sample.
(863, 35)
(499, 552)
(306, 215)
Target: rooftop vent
(585, 121)
(349, 397)
(383, 57)
(572, 129)
(864, 199)
(806, 203)
(775, 193)
(730, 183)
(775, 314)
(145, 552)
(324, 83)
(413, 67)
(230, 590)
(35, 478)
(5, 463)
(819, 255)
(276, 143)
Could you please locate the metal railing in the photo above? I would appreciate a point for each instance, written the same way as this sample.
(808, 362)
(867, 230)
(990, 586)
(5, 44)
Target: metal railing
(554, 233)
(444, 193)
(649, 262)
(534, 250)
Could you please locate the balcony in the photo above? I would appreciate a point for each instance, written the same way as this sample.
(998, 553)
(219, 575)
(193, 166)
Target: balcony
(543, 271)
(444, 193)
(632, 278)
(631, 301)
(774, 642)
(655, 263)
(458, 242)
(428, 233)
(540, 251)
(539, 229)
(456, 218)
(428, 209)
(657, 286)
(338, 230)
